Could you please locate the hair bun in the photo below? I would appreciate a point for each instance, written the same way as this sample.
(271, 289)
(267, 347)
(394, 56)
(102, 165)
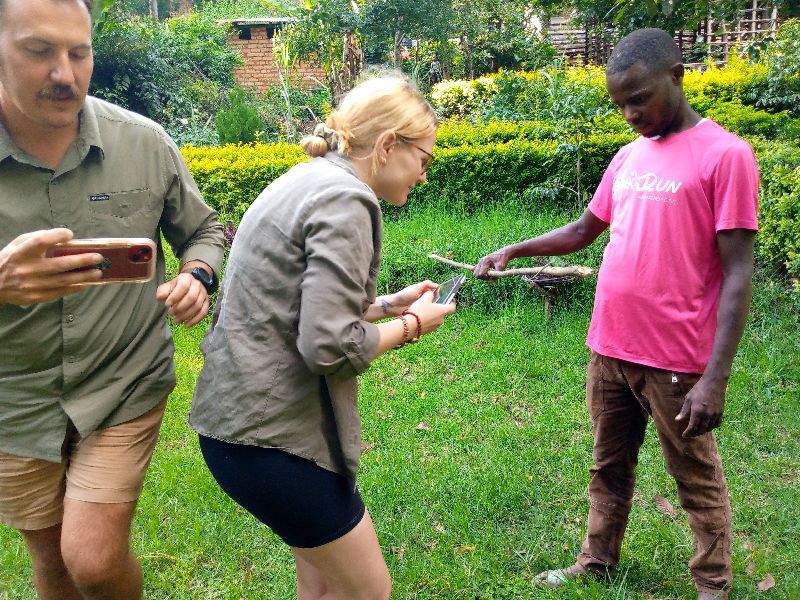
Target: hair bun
(331, 136)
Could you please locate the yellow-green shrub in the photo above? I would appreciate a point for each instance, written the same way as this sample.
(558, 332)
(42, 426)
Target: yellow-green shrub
(230, 177)
(456, 98)
(779, 205)
(729, 82)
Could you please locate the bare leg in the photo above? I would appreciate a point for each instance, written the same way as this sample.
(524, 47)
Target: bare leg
(350, 568)
(94, 544)
(50, 576)
(310, 581)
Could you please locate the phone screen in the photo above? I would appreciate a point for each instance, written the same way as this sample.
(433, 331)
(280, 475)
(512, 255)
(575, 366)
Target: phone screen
(448, 289)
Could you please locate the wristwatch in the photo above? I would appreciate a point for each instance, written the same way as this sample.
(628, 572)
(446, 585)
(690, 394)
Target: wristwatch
(210, 282)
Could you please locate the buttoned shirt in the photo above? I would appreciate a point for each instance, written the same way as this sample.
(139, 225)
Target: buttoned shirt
(102, 356)
(288, 335)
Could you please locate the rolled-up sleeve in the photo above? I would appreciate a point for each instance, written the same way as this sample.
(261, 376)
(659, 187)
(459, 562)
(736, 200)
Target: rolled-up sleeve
(190, 226)
(339, 237)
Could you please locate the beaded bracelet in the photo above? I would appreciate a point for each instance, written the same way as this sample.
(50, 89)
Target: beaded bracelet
(415, 339)
(404, 341)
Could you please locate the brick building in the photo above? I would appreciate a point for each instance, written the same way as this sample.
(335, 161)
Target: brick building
(254, 40)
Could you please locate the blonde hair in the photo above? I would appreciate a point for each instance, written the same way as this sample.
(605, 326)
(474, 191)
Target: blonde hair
(379, 104)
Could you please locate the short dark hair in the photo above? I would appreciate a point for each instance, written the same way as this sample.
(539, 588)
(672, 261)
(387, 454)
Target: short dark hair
(653, 47)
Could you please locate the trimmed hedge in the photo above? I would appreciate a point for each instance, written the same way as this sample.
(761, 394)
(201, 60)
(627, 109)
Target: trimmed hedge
(779, 209)
(230, 177)
(455, 133)
(746, 121)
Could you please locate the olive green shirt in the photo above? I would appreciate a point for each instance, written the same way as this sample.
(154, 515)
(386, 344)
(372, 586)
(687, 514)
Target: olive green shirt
(288, 336)
(102, 356)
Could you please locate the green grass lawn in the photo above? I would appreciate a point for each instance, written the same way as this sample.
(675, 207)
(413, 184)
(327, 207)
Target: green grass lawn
(477, 445)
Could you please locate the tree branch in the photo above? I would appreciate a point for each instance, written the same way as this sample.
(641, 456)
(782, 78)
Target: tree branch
(571, 271)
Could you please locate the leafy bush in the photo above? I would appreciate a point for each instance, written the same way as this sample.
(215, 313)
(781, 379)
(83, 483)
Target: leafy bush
(728, 83)
(748, 121)
(168, 71)
(240, 121)
(458, 98)
(570, 97)
(779, 210)
(456, 133)
(779, 88)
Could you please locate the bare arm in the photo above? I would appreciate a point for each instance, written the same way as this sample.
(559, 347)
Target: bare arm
(571, 237)
(431, 316)
(392, 305)
(705, 403)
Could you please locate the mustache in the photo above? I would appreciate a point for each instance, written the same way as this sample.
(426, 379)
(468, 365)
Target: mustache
(59, 92)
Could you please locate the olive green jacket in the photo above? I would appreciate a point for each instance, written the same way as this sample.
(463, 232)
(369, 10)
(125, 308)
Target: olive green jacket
(288, 336)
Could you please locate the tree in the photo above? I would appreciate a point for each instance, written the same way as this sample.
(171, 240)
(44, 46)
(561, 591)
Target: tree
(670, 15)
(391, 22)
(327, 32)
(492, 27)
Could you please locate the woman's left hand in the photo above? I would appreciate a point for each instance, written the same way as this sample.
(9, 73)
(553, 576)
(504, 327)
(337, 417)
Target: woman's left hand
(391, 305)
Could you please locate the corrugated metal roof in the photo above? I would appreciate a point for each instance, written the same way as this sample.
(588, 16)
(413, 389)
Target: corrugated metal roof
(258, 21)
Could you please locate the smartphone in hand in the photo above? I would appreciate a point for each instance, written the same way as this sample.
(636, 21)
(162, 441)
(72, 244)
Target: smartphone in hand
(125, 260)
(448, 289)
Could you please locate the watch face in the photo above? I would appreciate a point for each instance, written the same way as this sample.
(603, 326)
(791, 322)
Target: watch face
(203, 277)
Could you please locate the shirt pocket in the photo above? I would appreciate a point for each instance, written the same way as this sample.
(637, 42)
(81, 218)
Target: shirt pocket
(128, 213)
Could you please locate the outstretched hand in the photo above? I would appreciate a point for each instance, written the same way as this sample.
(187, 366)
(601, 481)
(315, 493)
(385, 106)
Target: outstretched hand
(497, 260)
(28, 276)
(703, 408)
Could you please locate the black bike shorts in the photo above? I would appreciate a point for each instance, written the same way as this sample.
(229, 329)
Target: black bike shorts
(304, 504)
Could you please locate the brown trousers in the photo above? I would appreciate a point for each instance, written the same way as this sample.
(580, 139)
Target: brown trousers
(620, 397)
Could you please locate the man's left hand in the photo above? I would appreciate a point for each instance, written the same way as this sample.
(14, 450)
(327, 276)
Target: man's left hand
(186, 299)
(703, 407)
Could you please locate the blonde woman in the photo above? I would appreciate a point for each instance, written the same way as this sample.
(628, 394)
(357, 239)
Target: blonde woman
(275, 404)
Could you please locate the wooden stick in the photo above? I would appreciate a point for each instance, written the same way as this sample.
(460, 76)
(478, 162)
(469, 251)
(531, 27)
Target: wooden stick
(572, 271)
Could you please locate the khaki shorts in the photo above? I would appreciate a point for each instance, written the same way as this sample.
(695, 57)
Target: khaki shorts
(107, 467)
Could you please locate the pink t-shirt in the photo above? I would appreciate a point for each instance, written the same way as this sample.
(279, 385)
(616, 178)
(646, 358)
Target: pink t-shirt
(658, 286)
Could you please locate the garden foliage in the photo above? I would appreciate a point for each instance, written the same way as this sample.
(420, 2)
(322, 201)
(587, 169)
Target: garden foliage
(503, 163)
(239, 121)
(542, 140)
(177, 72)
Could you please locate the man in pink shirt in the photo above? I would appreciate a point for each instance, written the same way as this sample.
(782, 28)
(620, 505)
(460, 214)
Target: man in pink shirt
(673, 294)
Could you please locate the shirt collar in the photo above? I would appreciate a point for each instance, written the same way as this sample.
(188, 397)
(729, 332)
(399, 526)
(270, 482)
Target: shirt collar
(88, 134)
(341, 161)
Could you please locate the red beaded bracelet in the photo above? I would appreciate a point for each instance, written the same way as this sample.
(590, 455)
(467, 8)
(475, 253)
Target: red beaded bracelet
(414, 340)
(404, 341)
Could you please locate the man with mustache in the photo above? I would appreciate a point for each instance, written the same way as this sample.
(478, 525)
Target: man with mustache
(673, 294)
(85, 371)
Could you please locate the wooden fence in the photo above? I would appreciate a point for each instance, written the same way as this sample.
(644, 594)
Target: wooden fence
(711, 40)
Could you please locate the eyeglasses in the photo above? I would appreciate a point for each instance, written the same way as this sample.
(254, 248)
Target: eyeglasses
(429, 159)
